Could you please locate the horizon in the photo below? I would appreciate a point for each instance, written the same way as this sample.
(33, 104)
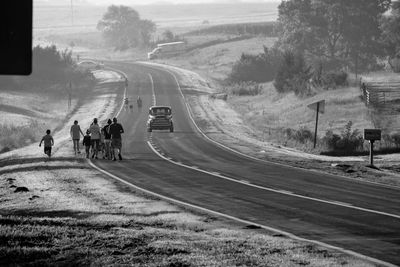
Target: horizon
(145, 2)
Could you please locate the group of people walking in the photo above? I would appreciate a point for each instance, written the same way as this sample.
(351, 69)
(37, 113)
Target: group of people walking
(106, 140)
(138, 102)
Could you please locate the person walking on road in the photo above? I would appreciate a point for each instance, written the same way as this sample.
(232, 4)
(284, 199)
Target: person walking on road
(95, 138)
(87, 143)
(48, 143)
(115, 131)
(76, 133)
(107, 139)
(126, 103)
(139, 103)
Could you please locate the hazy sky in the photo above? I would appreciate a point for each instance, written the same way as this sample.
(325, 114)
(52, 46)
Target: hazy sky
(139, 2)
(143, 2)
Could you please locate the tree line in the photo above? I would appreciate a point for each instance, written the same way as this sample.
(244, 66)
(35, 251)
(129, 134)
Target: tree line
(50, 66)
(319, 41)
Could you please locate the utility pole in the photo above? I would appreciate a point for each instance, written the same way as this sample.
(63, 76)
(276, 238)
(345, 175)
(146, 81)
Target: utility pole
(72, 13)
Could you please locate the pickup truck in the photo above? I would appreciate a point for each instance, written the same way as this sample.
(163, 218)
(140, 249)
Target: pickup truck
(160, 118)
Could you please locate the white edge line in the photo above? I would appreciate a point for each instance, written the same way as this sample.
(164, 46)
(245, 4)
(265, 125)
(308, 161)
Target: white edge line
(251, 157)
(269, 189)
(290, 235)
(152, 89)
(283, 192)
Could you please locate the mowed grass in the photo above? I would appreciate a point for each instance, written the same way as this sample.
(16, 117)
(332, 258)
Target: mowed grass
(141, 241)
(72, 216)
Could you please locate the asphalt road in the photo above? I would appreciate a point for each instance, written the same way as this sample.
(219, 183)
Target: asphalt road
(353, 215)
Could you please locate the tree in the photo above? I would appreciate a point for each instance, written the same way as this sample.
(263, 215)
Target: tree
(362, 32)
(390, 26)
(122, 28)
(168, 36)
(332, 30)
(256, 68)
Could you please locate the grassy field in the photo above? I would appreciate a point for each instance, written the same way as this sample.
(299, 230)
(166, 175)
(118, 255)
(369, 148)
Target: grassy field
(47, 16)
(25, 116)
(215, 62)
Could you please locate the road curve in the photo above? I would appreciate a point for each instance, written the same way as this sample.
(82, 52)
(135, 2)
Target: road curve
(356, 216)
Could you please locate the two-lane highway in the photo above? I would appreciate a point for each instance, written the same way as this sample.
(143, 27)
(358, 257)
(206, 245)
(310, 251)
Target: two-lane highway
(184, 165)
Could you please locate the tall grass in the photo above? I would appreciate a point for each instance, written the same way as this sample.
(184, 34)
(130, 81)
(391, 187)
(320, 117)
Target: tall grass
(12, 137)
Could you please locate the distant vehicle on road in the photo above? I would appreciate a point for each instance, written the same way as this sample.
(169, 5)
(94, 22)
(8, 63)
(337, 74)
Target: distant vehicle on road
(160, 118)
(167, 49)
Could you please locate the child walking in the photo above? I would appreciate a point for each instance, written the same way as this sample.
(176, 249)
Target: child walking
(48, 143)
(87, 142)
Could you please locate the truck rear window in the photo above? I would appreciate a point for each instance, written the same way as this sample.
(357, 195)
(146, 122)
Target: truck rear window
(160, 111)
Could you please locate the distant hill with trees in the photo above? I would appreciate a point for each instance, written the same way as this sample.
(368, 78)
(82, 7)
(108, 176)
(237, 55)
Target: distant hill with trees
(320, 42)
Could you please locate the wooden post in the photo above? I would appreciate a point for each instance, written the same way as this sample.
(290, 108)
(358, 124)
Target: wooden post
(371, 153)
(316, 126)
(372, 135)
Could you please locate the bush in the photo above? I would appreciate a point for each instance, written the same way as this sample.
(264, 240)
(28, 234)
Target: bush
(395, 64)
(256, 68)
(246, 88)
(348, 141)
(302, 135)
(395, 138)
(333, 79)
(12, 137)
(328, 74)
(293, 74)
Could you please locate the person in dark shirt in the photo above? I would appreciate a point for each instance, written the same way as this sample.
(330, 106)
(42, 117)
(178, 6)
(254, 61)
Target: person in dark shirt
(87, 143)
(115, 130)
(107, 140)
(48, 143)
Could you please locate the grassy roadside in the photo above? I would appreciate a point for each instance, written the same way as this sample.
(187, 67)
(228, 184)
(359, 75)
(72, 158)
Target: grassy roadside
(71, 215)
(26, 116)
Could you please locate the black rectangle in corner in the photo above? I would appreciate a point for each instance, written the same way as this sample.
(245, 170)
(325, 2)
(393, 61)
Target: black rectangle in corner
(16, 37)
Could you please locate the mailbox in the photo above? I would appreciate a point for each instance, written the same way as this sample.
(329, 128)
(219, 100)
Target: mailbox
(372, 134)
